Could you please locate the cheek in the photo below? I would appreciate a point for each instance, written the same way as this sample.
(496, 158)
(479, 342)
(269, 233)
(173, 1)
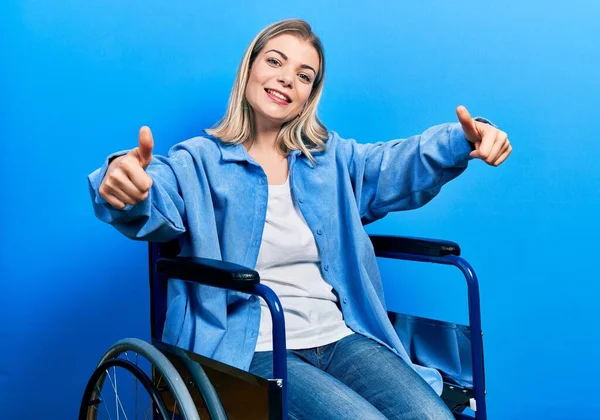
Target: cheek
(304, 95)
(260, 73)
(253, 89)
(256, 83)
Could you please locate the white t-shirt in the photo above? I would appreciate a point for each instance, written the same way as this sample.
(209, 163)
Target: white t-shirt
(289, 263)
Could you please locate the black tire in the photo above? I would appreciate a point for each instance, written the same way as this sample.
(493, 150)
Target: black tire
(89, 405)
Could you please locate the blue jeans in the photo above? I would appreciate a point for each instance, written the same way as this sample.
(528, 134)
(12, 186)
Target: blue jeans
(353, 378)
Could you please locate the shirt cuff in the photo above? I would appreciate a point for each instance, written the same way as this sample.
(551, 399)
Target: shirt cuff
(460, 146)
(458, 143)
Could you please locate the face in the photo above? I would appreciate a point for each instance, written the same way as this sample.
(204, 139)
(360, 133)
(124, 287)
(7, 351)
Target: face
(281, 79)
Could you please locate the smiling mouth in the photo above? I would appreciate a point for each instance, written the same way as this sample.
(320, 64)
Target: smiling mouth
(282, 97)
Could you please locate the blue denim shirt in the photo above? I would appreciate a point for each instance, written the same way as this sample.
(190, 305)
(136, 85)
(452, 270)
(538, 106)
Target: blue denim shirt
(213, 197)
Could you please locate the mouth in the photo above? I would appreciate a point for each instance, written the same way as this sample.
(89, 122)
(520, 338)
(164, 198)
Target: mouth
(278, 96)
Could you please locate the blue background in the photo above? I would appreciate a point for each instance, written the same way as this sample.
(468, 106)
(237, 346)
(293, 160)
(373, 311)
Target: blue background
(78, 79)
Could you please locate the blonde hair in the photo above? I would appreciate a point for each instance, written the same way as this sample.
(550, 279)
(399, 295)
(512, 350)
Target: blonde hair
(305, 132)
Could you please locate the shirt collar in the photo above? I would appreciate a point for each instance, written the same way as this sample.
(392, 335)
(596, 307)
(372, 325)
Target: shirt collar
(230, 152)
(238, 153)
(233, 152)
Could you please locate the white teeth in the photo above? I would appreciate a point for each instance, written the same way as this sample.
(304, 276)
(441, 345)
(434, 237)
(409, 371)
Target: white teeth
(279, 95)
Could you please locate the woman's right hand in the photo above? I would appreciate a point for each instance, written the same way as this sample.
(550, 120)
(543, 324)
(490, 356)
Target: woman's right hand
(126, 180)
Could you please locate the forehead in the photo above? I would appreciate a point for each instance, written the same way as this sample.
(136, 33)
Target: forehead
(295, 48)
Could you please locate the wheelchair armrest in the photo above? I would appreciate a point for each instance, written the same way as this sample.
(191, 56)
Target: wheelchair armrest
(210, 272)
(385, 244)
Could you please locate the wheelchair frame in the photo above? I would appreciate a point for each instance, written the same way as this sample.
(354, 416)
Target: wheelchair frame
(164, 264)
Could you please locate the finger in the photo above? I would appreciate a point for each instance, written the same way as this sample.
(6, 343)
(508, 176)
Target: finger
(468, 124)
(501, 159)
(121, 195)
(487, 143)
(113, 196)
(475, 153)
(132, 170)
(503, 156)
(145, 146)
(129, 189)
(113, 185)
(140, 179)
(498, 147)
(114, 201)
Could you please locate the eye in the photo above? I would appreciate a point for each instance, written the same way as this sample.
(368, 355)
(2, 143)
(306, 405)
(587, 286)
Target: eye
(305, 77)
(273, 61)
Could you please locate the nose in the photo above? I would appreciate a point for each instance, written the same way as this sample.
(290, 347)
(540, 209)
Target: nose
(285, 80)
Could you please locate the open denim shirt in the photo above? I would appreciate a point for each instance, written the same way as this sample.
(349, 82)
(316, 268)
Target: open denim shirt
(213, 197)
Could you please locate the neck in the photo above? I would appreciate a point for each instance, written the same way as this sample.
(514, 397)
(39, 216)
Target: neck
(265, 137)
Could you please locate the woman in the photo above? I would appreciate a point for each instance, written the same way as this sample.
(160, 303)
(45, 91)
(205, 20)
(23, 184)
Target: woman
(269, 187)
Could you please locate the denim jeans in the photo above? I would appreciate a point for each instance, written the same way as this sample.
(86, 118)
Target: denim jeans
(353, 378)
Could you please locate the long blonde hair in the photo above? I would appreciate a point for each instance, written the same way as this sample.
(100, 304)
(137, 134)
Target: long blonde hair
(305, 132)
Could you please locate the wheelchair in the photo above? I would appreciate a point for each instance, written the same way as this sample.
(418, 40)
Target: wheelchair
(177, 384)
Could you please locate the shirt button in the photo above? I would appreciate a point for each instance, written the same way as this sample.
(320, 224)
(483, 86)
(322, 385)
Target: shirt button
(319, 231)
(345, 301)
(300, 200)
(326, 267)
(262, 181)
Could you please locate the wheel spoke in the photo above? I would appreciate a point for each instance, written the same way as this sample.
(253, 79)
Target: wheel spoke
(135, 380)
(116, 392)
(174, 408)
(99, 412)
(117, 399)
(124, 413)
(136, 388)
(104, 405)
(150, 385)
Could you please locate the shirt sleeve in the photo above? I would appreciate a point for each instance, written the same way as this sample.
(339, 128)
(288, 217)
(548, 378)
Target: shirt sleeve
(407, 173)
(159, 218)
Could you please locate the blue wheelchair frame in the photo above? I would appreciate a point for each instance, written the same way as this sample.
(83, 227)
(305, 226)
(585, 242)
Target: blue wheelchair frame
(165, 264)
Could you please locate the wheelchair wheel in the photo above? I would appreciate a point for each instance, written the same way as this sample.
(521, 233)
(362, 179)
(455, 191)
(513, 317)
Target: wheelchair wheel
(121, 388)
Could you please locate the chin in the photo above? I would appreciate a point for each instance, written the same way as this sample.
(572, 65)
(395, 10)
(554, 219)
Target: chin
(276, 118)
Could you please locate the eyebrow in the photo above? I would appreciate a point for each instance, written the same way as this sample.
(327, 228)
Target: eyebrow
(304, 66)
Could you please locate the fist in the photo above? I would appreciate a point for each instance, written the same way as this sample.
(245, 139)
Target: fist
(491, 145)
(126, 180)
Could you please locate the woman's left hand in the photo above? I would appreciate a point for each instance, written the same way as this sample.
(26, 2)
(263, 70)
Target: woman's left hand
(491, 145)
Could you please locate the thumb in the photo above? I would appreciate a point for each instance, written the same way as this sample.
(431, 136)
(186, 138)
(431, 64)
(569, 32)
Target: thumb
(468, 124)
(145, 146)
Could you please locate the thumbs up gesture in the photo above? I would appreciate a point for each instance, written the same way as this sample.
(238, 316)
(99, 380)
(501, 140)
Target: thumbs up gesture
(491, 145)
(126, 180)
